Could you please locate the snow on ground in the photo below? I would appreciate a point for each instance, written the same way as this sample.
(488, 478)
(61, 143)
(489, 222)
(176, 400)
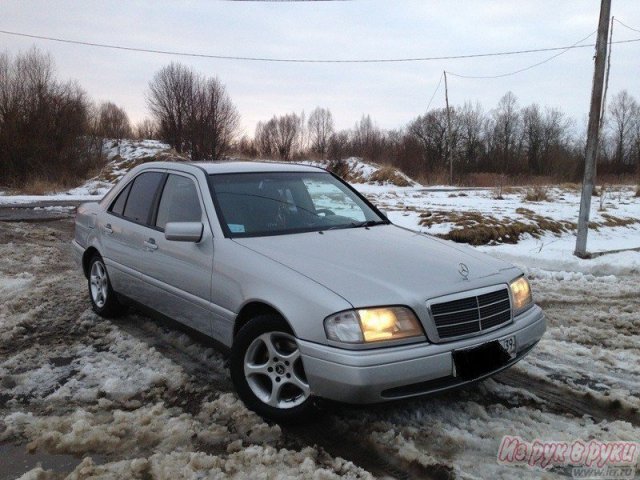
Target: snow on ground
(409, 206)
(135, 398)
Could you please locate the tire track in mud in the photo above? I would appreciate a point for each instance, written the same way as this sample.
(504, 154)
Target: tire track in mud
(326, 434)
(564, 400)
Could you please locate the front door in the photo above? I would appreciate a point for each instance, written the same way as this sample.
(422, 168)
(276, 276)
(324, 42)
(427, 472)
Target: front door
(180, 272)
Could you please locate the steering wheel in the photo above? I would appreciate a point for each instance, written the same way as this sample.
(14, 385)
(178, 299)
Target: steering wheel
(326, 212)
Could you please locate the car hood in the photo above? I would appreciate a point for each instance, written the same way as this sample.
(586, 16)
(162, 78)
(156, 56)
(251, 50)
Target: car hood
(383, 264)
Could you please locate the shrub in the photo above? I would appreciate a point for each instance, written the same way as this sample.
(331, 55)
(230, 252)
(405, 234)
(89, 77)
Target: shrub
(339, 167)
(537, 194)
(45, 124)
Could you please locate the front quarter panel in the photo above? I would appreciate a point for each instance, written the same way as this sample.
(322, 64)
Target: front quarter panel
(242, 276)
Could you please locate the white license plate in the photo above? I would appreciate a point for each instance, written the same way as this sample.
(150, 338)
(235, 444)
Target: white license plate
(509, 344)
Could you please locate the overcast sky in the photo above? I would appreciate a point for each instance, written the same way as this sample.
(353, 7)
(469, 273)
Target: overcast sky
(392, 93)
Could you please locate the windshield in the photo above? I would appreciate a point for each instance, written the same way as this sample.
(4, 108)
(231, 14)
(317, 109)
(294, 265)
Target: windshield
(257, 204)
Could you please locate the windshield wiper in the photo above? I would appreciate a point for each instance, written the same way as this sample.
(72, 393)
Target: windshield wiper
(369, 223)
(366, 223)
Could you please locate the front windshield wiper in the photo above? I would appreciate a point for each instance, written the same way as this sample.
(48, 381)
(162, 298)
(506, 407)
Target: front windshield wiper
(365, 223)
(369, 223)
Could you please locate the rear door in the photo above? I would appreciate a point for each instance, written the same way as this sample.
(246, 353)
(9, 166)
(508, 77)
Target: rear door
(124, 230)
(180, 272)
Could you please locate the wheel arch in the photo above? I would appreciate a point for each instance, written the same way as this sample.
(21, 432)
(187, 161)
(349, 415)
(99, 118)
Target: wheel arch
(86, 258)
(253, 309)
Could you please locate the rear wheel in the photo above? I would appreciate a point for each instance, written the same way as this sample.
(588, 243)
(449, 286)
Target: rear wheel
(267, 370)
(103, 299)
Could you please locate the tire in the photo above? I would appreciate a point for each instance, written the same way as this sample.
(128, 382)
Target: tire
(104, 300)
(267, 370)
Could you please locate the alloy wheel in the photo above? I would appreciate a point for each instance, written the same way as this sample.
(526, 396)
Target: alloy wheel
(274, 372)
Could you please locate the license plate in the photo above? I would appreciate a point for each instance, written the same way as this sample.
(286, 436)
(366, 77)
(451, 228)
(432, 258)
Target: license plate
(509, 344)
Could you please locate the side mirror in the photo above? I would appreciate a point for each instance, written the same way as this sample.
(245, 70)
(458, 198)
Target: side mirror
(183, 231)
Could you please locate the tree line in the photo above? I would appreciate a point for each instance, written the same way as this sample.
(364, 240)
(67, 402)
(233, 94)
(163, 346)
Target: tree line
(509, 140)
(50, 129)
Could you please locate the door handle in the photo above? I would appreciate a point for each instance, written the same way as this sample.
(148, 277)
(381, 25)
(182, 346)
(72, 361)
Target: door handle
(150, 244)
(107, 229)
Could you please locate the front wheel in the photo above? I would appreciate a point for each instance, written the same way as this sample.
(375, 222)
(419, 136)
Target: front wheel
(103, 299)
(267, 370)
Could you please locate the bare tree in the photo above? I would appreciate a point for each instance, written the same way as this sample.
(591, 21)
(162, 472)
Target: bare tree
(194, 114)
(263, 139)
(288, 127)
(169, 100)
(113, 122)
(367, 140)
(338, 145)
(505, 135)
(468, 129)
(279, 136)
(146, 129)
(44, 123)
(320, 130)
(219, 119)
(624, 114)
(430, 131)
(533, 137)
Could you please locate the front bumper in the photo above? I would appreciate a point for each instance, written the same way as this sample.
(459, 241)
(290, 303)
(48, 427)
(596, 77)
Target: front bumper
(378, 375)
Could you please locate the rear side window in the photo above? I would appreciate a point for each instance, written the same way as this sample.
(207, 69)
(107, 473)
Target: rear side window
(117, 207)
(141, 197)
(179, 202)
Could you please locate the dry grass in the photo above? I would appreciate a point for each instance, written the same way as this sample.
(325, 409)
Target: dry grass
(611, 221)
(475, 228)
(488, 180)
(435, 178)
(342, 169)
(38, 187)
(537, 194)
(43, 186)
(387, 174)
(637, 191)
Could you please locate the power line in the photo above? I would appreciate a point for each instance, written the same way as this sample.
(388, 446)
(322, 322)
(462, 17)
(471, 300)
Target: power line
(626, 26)
(301, 60)
(508, 74)
(435, 91)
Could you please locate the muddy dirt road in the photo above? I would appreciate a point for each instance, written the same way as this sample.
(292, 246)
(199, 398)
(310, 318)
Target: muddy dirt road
(137, 398)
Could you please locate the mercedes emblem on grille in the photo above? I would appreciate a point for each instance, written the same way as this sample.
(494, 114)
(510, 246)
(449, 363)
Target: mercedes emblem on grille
(463, 270)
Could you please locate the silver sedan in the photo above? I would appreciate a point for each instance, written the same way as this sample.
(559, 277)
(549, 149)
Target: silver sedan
(311, 288)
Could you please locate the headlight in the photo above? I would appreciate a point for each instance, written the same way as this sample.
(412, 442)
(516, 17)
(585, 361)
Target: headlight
(521, 294)
(372, 325)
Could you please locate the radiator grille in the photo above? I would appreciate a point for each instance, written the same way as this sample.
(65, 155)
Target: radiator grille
(471, 314)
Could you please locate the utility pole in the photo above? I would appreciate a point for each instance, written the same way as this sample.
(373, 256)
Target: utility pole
(593, 129)
(448, 149)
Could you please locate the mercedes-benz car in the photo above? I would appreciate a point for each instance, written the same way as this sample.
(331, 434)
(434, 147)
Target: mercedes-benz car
(313, 291)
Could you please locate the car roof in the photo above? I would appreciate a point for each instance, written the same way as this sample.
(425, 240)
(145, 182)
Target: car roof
(224, 166)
